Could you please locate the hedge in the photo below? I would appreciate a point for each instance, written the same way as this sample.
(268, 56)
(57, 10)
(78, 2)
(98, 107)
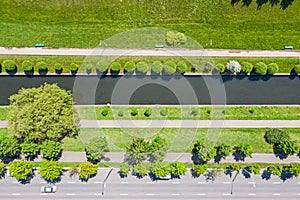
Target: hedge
(27, 66)
(181, 67)
(102, 66)
(157, 67)
(9, 65)
(260, 68)
(246, 67)
(41, 66)
(220, 67)
(115, 66)
(129, 66)
(170, 67)
(142, 67)
(272, 68)
(297, 69)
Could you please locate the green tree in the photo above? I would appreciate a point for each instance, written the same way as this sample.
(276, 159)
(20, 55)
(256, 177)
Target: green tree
(9, 148)
(160, 169)
(284, 4)
(169, 67)
(181, 67)
(260, 68)
(142, 67)
(294, 168)
(200, 169)
(96, 149)
(178, 169)
(38, 114)
(30, 149)
(175, 39)
(74, 67)
(20, 170)
(275, 170)
(272, 68)
(141, 170)
(102, 66)
(137, 151)
(203, 151)
(148, 112)
(129, 66)
(50, 170)
(156, 67)
(2, 169)
(158, 149)
(42, 66)
(246, 67)
(115, 66)
(9, 65)
(221, 68)
(286, 147)
(86, 170)
(297, 69)
(223, 150)
(51, 150)
(58, 67)
(244, 150)
(124, 169)
(27, 66)
(273, 136)
(234, 167)
(255, 168)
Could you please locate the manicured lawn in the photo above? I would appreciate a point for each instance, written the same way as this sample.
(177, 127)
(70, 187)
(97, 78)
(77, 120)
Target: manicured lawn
(84, 23)
(4, 113)
(3, 132)
(180, 140)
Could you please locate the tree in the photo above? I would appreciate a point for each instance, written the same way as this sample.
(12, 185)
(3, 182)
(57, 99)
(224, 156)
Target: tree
(234, 66)
(9, 65)
(30, 149)
(275, 170)
(273, 136)
(246, 67)
(9, 148)
(124, 169)
(58, 67)
(134, 111)
(27, 66)
(38, 114)
(137, 151)
(203, 151)
(142, 67)
(272, 68)
(220, 67)
(129, 66)
(170, 67)
(286, 147)
(105, 111)
(223, 150)
(158, 149)
(74, 67)
(2, 169)
(297, 69)
(282, 3)
(148, 112)
(50, 170)
(20, 170)
(260, 68)
(86, 170)
(178, 169)
(181, 67)
(234, 167)
(102, 66)
(175, 39)
(200, 169)
(160, 169)
(244, 150)
(294, 168)
(141, 170)
(115, 66)
(42, 66)
(96, 149)
(255, 168)
(156, 67)
(51, 150)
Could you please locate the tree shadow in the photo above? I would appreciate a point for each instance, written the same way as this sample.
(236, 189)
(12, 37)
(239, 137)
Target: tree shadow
(28, 179)
(43, 71)
(227, 172)
(87, 179)
(278, 153)
(210, 175)
(246, 173)
(266, 175)
(29, 73)
(284, 4)
(238, 157)
(12, 72)
(217, 158)
(285, 175)
(194, 174)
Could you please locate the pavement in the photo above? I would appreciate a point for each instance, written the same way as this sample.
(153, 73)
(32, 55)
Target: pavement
(210, 186)
(149, 52)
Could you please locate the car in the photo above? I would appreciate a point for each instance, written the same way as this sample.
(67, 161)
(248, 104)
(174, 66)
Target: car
(167, 177)
(48, 189)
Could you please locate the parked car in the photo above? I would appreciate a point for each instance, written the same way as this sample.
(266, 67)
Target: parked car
(48, 189)
(167, 177)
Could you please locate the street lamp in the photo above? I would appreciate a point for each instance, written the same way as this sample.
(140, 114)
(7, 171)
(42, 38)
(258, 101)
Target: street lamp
(104, 182)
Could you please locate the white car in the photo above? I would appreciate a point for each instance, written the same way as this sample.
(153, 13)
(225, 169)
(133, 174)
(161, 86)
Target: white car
(167, 177)
(48, 189)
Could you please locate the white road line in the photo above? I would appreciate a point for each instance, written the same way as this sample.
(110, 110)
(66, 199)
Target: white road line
(276, 183)
(15, 182)
(298, 182)
(298, 194)
(251, 194)
(276, 194)
(43, 194)
(150, 194)
(251, 182)
(98, 182)
(97, 194)
(124, 182)
(175, 194)
(70, 194)
(176, 182)
(150, 182)
(124, 194)
(71, 182)
(16, 194)
(201, 194)
(43, 182)
(226, 194)
(201, 182)
(226, 182)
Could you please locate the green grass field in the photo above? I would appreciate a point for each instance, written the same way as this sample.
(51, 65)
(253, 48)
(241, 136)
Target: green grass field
(83, 23)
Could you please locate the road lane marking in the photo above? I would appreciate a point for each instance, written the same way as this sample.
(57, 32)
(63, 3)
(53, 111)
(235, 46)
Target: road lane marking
(16, 182)
(175, 194)
(176, 182)
(71, 182)
(124, 194)
(201, 182)
(226, 194)
(98, 182)
(276, 194)
(201, 194)
(124, 182)
(276, 183)
(97, 194)
(43, 194)
(16, 194)
(70, 194)
(298, 194)
(251, 182)
(150, 182)
(251, 194)
(149, 194)
(226, 182)
(43, 182)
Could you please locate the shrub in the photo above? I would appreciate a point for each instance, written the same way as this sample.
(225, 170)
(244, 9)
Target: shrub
(272, 68)
(244, 150)
(170, 67)
(195, 112)
(96, 149)
(30, 149)
(287, 147)
(181, 67)
(275, 170)
(102, 66)
(148, 112)
(86, 170)
(234, 66)
(220, 67)
(74, 67)
(234, 167)
(115, 66)
(297, 69)
(104, 111)
(27, 66)
(178, 169)
(9, 65)
(124, 169)
(58, 67)
(260, 68)
(164, 112)
(50, 170)
(223, 150)
(246, 67)
(254, 168)
(120, 113)
(2, 168)
(200, 169)
(88, 67)
(274, 136)
(42, 66)
(20, 170)
(51, 149)
(142, 67)
(134, 111)
(129, 66)
(141, 170)
(157, 67)
(160, 169)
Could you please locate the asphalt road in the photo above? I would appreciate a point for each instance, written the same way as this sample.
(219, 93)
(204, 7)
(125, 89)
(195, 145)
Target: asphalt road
(132, 188)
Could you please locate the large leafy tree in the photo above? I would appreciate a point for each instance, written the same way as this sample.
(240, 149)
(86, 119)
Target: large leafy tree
(178, 169)
(203, 151)
(30, 149)
(141, 170)
(273, 136)
(223, 150)
(294, 168)
(158, 149)
(160, 169)
(21, 170)
(38, 114)
(50, 170)
(200, 169)
(96, 149)
(9, 148)
(282, 3)
(137, 151)
(244, 150)
(286, 147)
(51, 150)
(86, 170)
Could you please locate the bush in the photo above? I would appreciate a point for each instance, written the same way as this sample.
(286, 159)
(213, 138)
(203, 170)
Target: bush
(27, 66)
(297, 69)
(86, 170)
(129, 66)
(120, 113)
(141, 170)
(286, 147)
(134, 111)
(30, 149)
(260, 68)
(246, 67)
(58, 67)
(104, 111)
(2, 168)
(234, 66)
(9, 65)
(124, 169)
(274, 136)
(42, 66)
(142, 67)
(254, 168)
(157, 67)
(195, 112)
(74, 67)
(220, 67)
(200, 169)
(160, 169)
(234, 167)
(50, 170)
(115, 67)
(89, 67)
(21, 170)
(148, 112)
(244, 150)
(275, 170)
(96, 149)
(181, 67)
(272, 68)
(102, 66)
(51, 150)
(178, 169)
(223, 150)
(170, 67)
(164, 112)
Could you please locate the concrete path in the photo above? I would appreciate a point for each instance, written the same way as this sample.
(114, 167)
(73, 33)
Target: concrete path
(150, 52)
